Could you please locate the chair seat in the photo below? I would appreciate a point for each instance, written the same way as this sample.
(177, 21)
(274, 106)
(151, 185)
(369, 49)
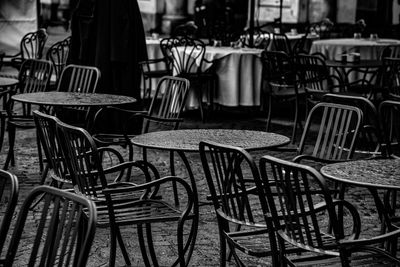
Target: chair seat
(24, 123)
(111, 139)
(254, 242)
(157, 73)
(285, 90)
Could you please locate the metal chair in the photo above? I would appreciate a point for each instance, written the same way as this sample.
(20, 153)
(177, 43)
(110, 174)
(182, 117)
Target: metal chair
(337, 134)
(63, 234)
(57, 54)
(34, 76)
(188, 58)
(141, 202)
(281, 43)
(151, 70)
(164, 113)
(31, 47)
(280, 85)
(305, 217)
(79, 79)
(9, 189)
(230, 173)
(391, 78)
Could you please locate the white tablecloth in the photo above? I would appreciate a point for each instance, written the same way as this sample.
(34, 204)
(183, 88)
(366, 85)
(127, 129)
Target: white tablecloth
(368, 49)
(239, 75)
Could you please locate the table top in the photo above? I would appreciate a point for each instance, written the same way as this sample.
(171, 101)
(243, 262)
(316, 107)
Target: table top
(363, 63)
(357, 42)
(377, 173)
(188, 139)
(5, 81)
(73, 99)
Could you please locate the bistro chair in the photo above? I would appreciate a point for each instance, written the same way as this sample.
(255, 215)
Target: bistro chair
(370, 138)
(61, 236)
(57, 54)
(315, 78)
(306, 217)
(281, 43)
(391, 78)
(164, 113)
(34, 76)
(188, 59)
(121, 202)
(151, 70)
(280, 85)
(9, 190)
(230, 173)
(188, 29)
(78, 79)
(31, 47)
(338, 129)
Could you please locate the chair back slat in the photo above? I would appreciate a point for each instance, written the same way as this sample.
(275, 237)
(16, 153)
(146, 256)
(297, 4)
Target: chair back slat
(58, 55)
(338, 130)
(32, 44)
(63, 234)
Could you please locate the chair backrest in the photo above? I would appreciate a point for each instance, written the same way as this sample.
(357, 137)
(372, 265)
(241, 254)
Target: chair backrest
(34, 75)
(32, 44)
(292, 192)
(389, 117)
(78, 78)
(338, 129)
(9, 189)
(281, 43)
(230, 173)
(58, 55)
(391, 77)
(188, 29)
(370, 138)
(83, 160)
(187, 54)
(168, 102)
(313, 73)
(261, 39)
(46, 126)
(278, 68)
(61, 236)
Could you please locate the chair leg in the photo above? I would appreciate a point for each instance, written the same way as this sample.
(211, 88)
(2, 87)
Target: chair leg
(39, 147)
(122, 246)
(11, 141)
(269, 113)
(150, 244)
(142, 245)
(2, 130)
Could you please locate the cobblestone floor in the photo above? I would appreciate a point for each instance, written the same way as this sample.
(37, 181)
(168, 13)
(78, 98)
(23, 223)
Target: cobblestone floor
(206, 252)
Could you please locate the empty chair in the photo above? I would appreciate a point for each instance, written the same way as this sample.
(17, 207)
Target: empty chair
(141, 202)
(281, 43)
(391, 78)
(305, 217)
(34, 76)
(164, 113)
(338, 129)
(389, 111)
(31, 47)
(188, 58)
(188, 29)
(230, 173)
(62, 235)
(57, 54)
(280, 85)
(9, 189)
(79, 79)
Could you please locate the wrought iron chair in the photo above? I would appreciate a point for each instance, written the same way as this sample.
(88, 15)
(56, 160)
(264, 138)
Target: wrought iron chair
(31, 47)
(188, 59)
(391, 78)
(164, 113)
(63, 235)
(230, 173)
(9, 189)
(141, 202)
(280, 84)
(306, 217)
(337, 134)
(34, 76)
(57, 54)
(79, 79)
(315, 78)
(281, 43)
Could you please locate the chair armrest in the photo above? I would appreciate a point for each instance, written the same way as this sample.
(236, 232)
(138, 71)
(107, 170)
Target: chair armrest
(373, 240)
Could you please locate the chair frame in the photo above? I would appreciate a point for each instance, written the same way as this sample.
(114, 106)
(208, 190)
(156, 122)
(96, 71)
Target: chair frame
(58, 54)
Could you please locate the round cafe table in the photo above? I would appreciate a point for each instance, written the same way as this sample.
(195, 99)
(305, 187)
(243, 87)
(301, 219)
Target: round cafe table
(187, 140)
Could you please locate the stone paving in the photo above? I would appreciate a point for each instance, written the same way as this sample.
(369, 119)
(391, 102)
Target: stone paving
(206, 251)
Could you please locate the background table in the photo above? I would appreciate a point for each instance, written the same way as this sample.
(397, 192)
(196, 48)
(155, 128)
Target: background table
(368, 49)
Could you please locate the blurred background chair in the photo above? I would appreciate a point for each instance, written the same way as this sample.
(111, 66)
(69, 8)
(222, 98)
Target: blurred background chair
(188, 59)
(230, 173)
(280, 85)
(31, 47)
(34, 76)
(188, 29)
(391, 78)
(9, 190)
(281, 42)
(64, 233)
(57, 54)
(121, 202)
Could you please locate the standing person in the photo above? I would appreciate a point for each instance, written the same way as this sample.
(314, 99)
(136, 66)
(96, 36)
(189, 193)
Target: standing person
(109, 34)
